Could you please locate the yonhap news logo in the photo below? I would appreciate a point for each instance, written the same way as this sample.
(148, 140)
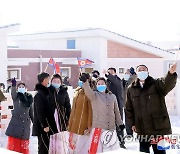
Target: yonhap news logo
(167, 142)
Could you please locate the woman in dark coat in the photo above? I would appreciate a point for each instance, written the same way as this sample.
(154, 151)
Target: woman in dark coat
(61, 107)
(18, 130)
(60, 102)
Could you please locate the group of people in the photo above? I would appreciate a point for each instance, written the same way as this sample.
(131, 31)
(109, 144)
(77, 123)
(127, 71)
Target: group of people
(95, 121)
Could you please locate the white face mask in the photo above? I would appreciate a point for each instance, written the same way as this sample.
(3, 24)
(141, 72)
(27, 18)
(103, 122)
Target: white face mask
(56, 85)
(49, 84)
(126, 77)
(22, 90)
(142, 75)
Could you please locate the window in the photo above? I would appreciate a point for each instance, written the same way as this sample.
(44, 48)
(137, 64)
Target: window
(70, 44)
(170, 65)
(121, 70)
(65, 71)
(14, 72)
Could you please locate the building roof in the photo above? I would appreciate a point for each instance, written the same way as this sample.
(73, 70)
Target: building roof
(10, 28)
(92, 32)
(7, 26)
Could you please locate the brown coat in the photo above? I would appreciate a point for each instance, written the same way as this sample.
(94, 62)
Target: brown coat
(2, 97)
(81, 113)
(146, 107)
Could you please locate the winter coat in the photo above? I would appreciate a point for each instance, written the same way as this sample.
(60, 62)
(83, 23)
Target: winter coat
(81, 114)
(115, 85)
(2, 97)
(126, 84)
(8, 90)
(22, 115)
(105, 109)
(60, 101)
(66, 82)
(146, 107)
(43, 112)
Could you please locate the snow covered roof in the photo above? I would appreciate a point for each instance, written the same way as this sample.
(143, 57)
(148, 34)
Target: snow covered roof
(97, 32)
(10, 28)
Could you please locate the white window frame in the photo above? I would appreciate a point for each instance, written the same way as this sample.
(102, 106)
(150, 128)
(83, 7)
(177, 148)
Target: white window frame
(14, 69)
(69, 68)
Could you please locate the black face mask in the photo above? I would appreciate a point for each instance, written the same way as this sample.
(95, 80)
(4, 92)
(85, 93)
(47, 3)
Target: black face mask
(95, 75)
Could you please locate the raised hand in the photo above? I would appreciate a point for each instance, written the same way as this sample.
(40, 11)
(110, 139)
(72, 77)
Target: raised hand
(84, 77)
(13, 82)
(173, 68)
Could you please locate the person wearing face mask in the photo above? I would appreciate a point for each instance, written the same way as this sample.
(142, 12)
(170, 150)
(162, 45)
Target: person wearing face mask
(129, 78)
(61, 106)
(115, 85)
(18, 130)
(2, 87)
(80, 122)
(9, 85)
(66, 81)
(60, 102)
(44, 123)
(106, 117)
(146, 108)
(95, 74)
(2, 97)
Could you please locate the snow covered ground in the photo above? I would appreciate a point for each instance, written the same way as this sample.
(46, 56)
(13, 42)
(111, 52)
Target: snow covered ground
(134, 145)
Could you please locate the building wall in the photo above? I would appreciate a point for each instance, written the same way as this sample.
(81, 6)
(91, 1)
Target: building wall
(29, 63)
(94, 48)
(167, 64)
(29, 74)
(3, 57)
(117, 50)
(155, 65)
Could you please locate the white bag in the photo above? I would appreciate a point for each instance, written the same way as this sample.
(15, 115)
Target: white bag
(59, 143)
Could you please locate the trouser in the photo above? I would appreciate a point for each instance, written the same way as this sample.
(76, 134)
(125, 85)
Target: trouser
(129, 130)
(120, 134)
(43, 144)
(145, 147)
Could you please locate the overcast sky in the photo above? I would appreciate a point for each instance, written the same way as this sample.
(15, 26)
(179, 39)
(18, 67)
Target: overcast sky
(145, 20)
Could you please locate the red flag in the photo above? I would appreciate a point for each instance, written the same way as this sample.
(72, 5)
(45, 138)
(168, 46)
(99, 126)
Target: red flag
(53, 64)
(82, 62)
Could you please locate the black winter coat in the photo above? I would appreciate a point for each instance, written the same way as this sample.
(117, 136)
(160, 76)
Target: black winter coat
(43, 112)
(60, 101)
(115, 85)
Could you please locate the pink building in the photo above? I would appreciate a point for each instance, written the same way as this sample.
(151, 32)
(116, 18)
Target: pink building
(26, 64)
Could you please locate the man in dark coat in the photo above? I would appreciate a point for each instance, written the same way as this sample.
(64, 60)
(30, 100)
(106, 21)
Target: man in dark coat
(115, 85)
(129, 78)
(44, 123)
(146, 108)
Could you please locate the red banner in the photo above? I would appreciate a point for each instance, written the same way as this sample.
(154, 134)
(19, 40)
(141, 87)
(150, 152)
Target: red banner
(95, 141)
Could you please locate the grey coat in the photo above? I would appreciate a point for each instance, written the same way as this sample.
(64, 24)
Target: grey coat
(19, 126)
(105, 109)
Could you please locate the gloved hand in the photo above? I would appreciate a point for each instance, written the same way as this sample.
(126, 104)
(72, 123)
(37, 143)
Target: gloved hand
(84, 77)
(13, 82)
(120, 128)
(131, 70)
